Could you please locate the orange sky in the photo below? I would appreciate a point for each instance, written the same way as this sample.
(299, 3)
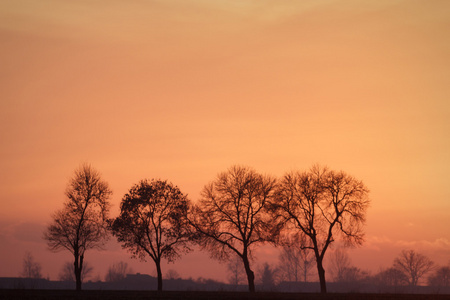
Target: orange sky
(181, 90)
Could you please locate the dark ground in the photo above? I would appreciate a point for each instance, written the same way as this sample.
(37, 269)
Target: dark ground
(13, 294)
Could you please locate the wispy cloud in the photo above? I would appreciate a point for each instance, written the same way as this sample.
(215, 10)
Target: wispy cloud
(383, 243)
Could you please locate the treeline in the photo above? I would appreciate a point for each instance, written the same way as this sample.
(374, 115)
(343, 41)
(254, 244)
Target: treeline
(128, 282)
(299, 277)
(304, 211)
(410, 272)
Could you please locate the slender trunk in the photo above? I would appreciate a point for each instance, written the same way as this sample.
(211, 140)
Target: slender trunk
(319, 260)
(321, 271)
(250, 274)
(305, 274)
(78, 266)
(158, 271)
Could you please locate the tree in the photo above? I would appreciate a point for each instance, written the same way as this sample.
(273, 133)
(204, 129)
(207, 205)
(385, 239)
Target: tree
(172, 274)
(31, 269)
(441, 277)
(268, 277)
(232, 215)
(153, 222)
(391, 278)
(67, 272)
(322, 205)
(342, 269)
(117, 272)
(82, 223)
(413, 265)
(339, 263)
(353, 274)
(236, 270)
(295, 260)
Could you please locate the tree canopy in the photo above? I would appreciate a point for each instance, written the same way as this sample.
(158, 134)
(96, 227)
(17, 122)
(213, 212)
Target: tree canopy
(82, 223)
(232, 215)
(413, 265)
(153, 222)
(322, 205)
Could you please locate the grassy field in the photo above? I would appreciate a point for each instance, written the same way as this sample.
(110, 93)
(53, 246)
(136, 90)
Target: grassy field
(196, 295)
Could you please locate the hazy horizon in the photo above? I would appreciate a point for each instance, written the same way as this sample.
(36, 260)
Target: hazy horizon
(182, 90)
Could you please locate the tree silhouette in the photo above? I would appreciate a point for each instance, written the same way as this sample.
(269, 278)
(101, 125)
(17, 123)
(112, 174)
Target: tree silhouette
(295, 259)
(343, 270)
(172, 274)
(232, 215)
(117, 272)
(82, 223)
(322, 205)
(236, 270)
(31, 268)
(67, 272)
(413, 265)
(268, 277)
(440, 277)
(391, 277)
(339, 264)
(153, 222)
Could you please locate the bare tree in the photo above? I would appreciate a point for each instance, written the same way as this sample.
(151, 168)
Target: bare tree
(232, 215)
(322, 205)
(153, 222)
(343, 270)
(117, 272)
(295, 259)
(390, 280)
(352, 274)
(339, 263)
(236, 270)
(82, 223)
(67, 272)
(31, 268)
(413, 265)
(440, 278)
(172, 274)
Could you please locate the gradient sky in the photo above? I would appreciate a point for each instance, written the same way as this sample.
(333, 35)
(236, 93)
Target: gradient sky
(181, 90)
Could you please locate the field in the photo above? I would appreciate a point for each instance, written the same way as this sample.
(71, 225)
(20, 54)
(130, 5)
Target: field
(13, 294)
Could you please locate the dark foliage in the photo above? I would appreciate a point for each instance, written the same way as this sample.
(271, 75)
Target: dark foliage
(153, 222)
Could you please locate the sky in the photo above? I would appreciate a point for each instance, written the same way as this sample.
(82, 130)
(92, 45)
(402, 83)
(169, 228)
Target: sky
(182, 90)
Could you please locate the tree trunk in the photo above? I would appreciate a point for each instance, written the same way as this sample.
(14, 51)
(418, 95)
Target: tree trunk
(78, 266)
(250, 275)
(321, 271)
(158, 271)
